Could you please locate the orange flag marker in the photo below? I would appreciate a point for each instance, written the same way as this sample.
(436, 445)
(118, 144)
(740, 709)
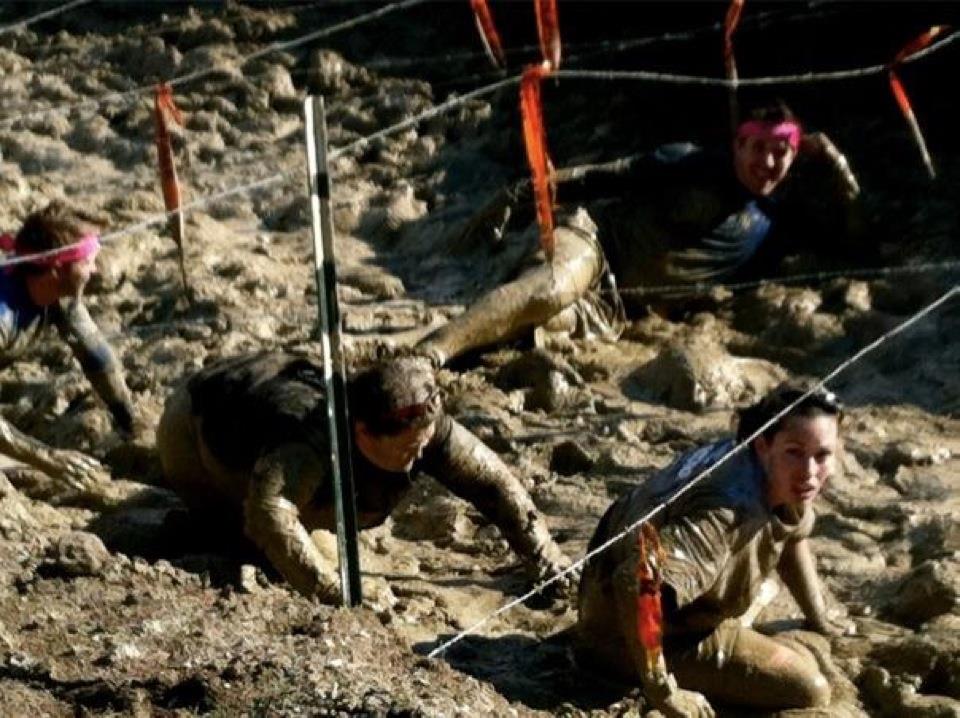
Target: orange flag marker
(165, 111)
(488, 32)
(900, 94)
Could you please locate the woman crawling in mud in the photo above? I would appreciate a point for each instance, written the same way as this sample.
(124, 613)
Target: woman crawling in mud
(45, 292)
(718, 543)
(244, 443)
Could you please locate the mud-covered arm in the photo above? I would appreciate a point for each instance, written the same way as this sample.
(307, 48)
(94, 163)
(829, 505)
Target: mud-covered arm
(99, 363)
(75, 469)
(660, 688)
(272, 521)
(471, 470)
(798, 570)
(697, 547)
(819, 146)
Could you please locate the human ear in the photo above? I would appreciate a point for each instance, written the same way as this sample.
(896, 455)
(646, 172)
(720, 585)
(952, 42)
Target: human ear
(762, 446)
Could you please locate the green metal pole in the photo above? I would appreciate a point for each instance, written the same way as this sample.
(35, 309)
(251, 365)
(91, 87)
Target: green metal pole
(329, 334)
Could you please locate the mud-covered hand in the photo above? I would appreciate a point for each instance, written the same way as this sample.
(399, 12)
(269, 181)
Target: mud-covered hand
(685, 704)
(73, 468)
(490, 223)
(473, 471)
(818, 145)
(832, 625)
(666, 697)
(550, 562)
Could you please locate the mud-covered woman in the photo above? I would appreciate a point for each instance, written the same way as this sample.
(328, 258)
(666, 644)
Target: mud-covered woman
(54, 255)
(748, 520)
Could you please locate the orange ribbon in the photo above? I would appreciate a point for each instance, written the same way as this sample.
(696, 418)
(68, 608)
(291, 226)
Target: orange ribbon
(548, 28)
(729, 27)
(535, 141)
(488, 32)
(165, 108)
(900, 94)
(648, 604)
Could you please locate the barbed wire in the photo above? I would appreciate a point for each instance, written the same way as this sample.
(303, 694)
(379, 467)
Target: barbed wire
(705, 288)
(42, 16)
(479, 92)
(600, 47)
(790, 79)
(736, 449)
(207, 72)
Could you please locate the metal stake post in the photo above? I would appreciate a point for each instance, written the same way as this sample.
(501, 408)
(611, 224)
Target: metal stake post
(328, 332)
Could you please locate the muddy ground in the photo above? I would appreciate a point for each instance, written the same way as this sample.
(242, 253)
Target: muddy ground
(109, 607)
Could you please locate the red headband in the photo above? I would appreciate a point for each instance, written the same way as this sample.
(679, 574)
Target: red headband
(788, 130)
(409, 414)
(87, 246)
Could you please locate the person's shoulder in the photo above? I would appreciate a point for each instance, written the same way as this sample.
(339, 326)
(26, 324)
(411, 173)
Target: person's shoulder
(244, 368)
(734, 486)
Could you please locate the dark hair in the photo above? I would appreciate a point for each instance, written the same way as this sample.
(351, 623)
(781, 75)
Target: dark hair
(820, 402)
(56, 225)
(772, 111)
(394, 395)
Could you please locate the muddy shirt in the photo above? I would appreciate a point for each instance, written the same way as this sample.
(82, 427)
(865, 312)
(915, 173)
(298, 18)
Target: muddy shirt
(249, 406)
(720, 539)
(675, 216)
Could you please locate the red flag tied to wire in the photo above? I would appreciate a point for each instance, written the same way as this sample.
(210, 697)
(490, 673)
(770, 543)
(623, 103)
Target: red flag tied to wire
(649, 580)
(729, 60)
(488, 32)
(165, 111)
(531, 108)
(535, 140)
(900, 94)
(548, 28)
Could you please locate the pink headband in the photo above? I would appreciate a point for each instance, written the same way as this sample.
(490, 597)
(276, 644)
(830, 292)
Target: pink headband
(86, 246)
(788, 130)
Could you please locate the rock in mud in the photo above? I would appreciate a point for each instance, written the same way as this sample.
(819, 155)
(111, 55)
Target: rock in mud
(549, 382)
(76, 554)
(929, 590)
(330, 74)
(896, 698)
(569, 458)
(703, 375)
(439, 519)
(923, 483)
(15, 517)
(785, 321)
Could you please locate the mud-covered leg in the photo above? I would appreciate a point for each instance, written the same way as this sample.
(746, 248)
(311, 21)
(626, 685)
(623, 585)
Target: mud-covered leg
(738, 666)
(181, 457)
(528, 301)
(467, 467)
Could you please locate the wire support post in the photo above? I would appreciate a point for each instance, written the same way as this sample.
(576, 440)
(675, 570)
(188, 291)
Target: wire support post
(330, 337)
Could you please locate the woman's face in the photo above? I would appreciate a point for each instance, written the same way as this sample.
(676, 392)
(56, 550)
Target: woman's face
(799, 458)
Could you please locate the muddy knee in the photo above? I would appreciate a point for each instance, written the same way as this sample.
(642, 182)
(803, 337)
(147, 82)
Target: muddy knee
(804, 686)
(814, 690)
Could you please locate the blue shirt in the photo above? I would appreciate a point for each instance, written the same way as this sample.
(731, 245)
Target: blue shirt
(21, 321)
